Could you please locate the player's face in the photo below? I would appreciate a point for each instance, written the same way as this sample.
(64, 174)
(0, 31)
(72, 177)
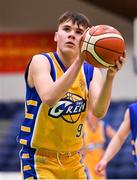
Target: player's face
(68, 37)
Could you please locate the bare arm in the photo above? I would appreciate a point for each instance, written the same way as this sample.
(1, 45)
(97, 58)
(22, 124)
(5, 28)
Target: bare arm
(115, 144)
(100, 93)
(39, 77)
(110, 132)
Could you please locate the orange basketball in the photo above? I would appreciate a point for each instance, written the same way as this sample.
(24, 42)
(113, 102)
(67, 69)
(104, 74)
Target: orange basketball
(102, 45)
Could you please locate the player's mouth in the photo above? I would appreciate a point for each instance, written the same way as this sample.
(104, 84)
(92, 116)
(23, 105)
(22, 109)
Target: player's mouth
(70, 43)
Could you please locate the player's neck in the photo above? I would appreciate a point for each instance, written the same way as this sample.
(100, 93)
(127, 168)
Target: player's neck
(66, 58)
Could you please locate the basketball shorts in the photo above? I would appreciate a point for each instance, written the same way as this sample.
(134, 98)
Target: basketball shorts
(45, 164)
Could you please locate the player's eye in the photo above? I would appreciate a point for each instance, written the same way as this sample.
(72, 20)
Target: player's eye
(66, 29)
(79, 32)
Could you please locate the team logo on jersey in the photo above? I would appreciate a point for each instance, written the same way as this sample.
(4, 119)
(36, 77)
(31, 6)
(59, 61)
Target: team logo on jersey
(69, 108)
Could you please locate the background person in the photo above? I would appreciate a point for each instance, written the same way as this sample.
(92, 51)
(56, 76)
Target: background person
(129, 124)
(96, 133)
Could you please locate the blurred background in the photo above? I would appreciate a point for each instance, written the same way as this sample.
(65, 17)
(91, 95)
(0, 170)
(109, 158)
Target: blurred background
(27, 28)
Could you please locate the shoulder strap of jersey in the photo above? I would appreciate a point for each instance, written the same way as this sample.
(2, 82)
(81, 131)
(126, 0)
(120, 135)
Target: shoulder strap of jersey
(26, 72)
(53, 74)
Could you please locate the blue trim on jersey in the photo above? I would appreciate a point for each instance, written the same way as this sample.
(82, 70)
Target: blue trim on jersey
(88, 70)
(53, 74)
(60, 62)
(31, 93)
(33, 110)
(133, 117)
(28, 161)
(85, 167)
(87, 172)
(133, 125)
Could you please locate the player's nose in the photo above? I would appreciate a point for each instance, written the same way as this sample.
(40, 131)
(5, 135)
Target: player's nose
(72, 35)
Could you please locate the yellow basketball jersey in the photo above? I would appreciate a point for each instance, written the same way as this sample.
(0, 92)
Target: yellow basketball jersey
(94, 135)
(94, 140)
(60, 127)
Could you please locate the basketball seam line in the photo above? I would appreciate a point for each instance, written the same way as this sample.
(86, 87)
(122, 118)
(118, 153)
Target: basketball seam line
(103, 47)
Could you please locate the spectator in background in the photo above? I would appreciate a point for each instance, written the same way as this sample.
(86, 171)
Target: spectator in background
(129, 124)
(58, 86)
(96, 132)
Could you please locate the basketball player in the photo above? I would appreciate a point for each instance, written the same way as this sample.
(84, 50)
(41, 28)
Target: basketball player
(129, 123)
(95, 136)
(58, 85)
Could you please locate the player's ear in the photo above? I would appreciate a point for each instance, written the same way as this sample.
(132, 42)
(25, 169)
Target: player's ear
(55, 36)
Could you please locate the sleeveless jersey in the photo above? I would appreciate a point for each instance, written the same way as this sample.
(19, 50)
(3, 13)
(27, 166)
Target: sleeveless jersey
(94, 140)
(60, 127)
(94, 137)
(133, 126)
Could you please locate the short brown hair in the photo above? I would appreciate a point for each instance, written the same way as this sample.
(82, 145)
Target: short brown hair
(75, 17)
